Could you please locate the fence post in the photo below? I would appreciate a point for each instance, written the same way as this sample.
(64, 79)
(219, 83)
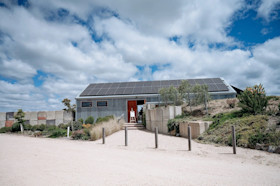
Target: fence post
(233, 139)
(125, 136)
(189, 138)
(103, 135)
(68, 131)
(156, 137)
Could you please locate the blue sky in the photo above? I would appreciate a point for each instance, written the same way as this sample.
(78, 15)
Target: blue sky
(50, 50)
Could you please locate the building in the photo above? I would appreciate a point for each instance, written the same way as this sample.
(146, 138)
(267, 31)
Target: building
(103, 99)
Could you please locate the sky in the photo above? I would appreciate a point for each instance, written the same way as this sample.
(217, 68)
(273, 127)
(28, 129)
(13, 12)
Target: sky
(51, 50)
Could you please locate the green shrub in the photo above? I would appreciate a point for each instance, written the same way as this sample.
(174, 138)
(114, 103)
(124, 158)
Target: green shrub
(77, 125)
(51, 127)
(27, 127)
(104, 119)
(58, 133)
(41, 127)
(253, 100)
(81, 120)
(63, 126)
(89, 120)
(16, 127)
(5, 129)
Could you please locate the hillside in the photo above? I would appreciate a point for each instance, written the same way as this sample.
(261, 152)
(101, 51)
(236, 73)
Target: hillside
(253, 131)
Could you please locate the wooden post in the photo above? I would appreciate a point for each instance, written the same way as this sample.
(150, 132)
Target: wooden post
(233, 139)
(125, 136)
(156, 137)
(189, 138)
(68, 131)
(103, 135)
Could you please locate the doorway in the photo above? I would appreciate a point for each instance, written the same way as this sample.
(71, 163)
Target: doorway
(137, 106)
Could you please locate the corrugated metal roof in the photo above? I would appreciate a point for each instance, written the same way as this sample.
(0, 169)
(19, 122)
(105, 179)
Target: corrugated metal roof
(148, 87)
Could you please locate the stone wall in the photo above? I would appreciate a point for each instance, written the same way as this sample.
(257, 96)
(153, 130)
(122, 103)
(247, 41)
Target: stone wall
(197, 128)
(159, 116)
(36, 118)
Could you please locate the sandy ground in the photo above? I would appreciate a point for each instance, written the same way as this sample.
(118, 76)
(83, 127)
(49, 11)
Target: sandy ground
(41, 161)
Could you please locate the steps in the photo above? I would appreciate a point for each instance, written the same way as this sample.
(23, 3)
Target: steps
(133, 126)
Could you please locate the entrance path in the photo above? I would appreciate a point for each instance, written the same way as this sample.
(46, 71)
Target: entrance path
(43, 161)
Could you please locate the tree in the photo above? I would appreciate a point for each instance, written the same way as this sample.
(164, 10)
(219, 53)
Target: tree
(185, 90)
(253, 100)
(19, 117)
(201, 95)
(164, 95)
(67, 103)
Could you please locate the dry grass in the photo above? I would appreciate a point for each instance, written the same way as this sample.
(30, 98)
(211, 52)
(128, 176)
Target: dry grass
(110, 126)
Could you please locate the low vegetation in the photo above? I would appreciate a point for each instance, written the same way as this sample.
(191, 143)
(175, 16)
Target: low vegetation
(256, 118)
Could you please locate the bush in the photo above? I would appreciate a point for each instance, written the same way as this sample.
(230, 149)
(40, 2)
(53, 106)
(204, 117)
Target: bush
(5, 129)
(51, 127)
(63, 126)
(58, 133)
(81, 120)
(104, 119)
(77, 125)
(27, 127)
(41, 127)
(16, 127)
(89, 120)
(253, 100)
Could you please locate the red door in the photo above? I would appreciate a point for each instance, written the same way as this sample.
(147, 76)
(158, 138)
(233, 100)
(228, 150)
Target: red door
(131, 104)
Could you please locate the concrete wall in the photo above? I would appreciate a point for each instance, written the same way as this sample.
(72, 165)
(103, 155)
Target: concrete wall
(158, 117)
(197, 128)
(37, 118)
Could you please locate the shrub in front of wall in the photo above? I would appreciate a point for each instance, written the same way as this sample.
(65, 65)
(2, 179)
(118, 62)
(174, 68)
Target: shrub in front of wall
(16, 127)
(76, 125)
(41, 127)
(27, 127)
(104, 119)
(89, 120)
(81, 120)
(56, 133)
(5, 129)
(63, 126)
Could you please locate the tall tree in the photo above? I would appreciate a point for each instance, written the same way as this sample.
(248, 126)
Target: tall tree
(19, 117)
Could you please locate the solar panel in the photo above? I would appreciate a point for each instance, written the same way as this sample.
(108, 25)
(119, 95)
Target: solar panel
(128, 91)
(191, 81)
(199, 81)
(123, 85)
(119, 91)
(217, 80)
(103, 91)
(148, 87)
(212, 87)
(111, 91)
(222, 87)
(115, 85)
(208, 81)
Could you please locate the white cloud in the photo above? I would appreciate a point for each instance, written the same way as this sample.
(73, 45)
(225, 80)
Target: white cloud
(266, 9)
(138, 36)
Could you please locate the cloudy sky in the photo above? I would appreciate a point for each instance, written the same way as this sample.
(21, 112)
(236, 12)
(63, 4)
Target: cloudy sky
(51, 50)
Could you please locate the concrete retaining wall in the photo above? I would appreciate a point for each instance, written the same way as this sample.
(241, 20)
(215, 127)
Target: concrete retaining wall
(158, 117)
(37, 118)
(197, 128)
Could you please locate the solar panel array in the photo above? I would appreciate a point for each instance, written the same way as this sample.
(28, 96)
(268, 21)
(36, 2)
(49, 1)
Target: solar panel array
(148, 87)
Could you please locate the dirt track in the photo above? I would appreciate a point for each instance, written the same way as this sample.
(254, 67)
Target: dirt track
(41, 161)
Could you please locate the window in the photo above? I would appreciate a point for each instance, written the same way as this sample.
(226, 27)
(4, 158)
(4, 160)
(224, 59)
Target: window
(86, 104)
(102, 103)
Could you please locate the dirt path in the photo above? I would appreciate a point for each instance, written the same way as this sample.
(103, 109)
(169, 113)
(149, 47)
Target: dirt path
(41, 161)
